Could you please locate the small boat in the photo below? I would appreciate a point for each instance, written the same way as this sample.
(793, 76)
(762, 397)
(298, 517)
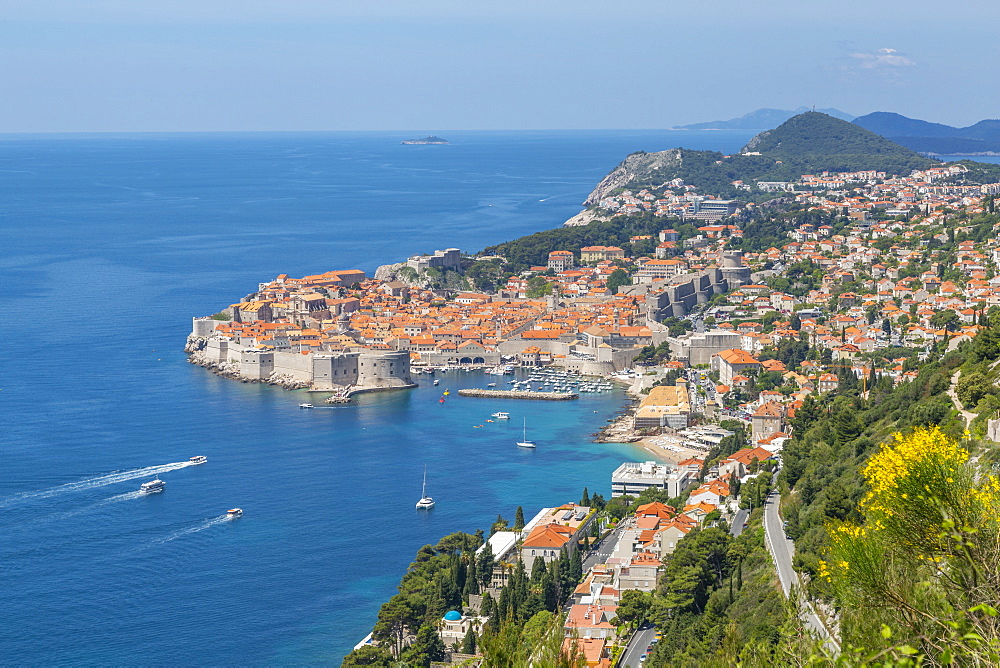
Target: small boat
(501, 415)
(233, 513)
(491, 384)
(425, 502)
(306, 406)
(152, 486)
(524, 442)
(198, 459)
(437, 381)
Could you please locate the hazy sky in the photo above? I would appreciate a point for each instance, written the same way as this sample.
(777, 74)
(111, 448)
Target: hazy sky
(426, 65)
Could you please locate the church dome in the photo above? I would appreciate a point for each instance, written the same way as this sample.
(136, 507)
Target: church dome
(453, 616)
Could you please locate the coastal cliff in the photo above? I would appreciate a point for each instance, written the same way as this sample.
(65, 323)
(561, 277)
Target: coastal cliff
(637, 166)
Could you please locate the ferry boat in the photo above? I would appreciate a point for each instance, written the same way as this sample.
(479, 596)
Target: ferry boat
(501, 415)
(425, 502)
(198, 459)
(306, 406)
(233, 513)
(152, 486)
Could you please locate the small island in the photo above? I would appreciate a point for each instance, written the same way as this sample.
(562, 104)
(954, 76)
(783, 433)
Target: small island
(426, 140)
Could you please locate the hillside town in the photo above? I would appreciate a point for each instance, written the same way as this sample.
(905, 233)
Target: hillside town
(898, 269)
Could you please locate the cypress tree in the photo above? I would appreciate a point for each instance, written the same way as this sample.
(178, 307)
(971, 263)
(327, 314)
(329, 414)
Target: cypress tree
(486, 566)
(585, 499)
(538, 570)
(519, 519)
(469, 642)
(576, 567)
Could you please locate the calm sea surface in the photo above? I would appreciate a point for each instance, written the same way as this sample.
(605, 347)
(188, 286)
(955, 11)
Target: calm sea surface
(109, 245)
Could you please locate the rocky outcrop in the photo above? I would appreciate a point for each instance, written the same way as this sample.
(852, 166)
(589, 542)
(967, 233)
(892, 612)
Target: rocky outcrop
(389, 272)
(195, 343)
(585, 217)
(637, 166)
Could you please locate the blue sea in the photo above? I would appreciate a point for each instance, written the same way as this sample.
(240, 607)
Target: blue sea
(110, 244)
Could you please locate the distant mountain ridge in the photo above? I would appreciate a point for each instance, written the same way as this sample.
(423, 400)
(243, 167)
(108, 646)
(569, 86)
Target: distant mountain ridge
(938, 138)
(808, 143)
(761, 119)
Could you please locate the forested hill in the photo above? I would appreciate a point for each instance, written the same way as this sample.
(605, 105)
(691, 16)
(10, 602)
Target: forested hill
(805, 144)
(816, 142)
(983, 137)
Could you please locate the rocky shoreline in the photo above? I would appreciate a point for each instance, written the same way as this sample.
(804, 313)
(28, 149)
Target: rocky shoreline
(619, 428)
(196, 344)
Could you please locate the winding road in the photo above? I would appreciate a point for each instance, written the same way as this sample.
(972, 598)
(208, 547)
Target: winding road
(782, 549)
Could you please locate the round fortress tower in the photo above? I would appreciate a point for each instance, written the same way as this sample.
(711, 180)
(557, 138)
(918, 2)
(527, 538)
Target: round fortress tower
(384, 369)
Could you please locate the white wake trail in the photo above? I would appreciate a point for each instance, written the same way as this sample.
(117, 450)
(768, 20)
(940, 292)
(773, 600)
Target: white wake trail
(92, 483)
(196, 528)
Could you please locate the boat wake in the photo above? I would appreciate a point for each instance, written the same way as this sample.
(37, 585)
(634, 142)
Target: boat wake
(201, 526)
(92, 483)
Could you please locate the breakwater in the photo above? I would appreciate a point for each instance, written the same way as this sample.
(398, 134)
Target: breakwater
(518, 394)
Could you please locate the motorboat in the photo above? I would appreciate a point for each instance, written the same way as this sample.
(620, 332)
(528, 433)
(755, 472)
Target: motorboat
(306, 406)
(437, 381)
(524, 442)
(198, 459)
(233, 513)
(501, 415)
(425, 502)
(152, 487)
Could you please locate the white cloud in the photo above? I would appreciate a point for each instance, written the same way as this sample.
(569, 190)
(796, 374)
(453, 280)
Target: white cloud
(881, 59)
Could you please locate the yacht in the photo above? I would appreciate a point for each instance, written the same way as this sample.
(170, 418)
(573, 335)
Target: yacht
(152, 486)
(524, 442)
(198, 459)
(306, 406)
(425, 502)
(233, 513)
(501, 415)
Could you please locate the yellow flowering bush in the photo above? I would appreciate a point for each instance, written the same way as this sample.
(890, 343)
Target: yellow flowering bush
(927, 554)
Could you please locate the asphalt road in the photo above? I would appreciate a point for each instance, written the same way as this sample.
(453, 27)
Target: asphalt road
(637, 647)
(738, 519)
(600, 553)
(782, 549)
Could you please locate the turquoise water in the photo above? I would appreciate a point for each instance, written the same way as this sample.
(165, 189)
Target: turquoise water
(110, 245)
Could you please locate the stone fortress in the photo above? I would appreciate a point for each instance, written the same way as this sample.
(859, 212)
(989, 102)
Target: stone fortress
(342, 372)
(682, 293)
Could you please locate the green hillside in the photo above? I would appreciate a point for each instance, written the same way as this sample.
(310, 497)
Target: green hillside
(809, 143)
(816, 142)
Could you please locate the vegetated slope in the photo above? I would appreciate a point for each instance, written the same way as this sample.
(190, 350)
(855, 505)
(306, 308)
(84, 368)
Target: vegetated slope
(926, 137)
(816, 141)
(890, 124)
(808, 143)
(760, 119)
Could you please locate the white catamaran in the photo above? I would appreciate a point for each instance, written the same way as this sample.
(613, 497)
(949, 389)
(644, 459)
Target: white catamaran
(425, 501)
